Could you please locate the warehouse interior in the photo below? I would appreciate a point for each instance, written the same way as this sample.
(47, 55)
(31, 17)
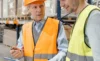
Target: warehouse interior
(13, 14)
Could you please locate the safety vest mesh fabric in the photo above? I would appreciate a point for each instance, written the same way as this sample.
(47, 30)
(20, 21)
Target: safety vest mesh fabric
(78, 50)
(46, 46)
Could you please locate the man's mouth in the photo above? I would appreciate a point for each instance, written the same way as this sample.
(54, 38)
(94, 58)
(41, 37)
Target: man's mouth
(67, 7)
(39, 14)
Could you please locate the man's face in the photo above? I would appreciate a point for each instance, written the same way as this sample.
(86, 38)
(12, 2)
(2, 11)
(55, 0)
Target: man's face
(37, 11)
(69, 5)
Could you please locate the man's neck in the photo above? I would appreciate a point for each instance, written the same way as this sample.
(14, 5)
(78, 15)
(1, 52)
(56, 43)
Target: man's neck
(40, 20)
(81, 7)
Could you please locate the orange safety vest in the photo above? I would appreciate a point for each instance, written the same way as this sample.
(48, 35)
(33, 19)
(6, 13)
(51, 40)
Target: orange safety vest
(46, 47)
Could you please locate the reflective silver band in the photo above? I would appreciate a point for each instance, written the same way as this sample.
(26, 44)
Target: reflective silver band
(72, 57)
(39, 56)
(44, 56)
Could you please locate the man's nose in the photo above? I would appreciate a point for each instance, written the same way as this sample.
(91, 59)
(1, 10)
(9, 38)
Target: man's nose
(39, 9)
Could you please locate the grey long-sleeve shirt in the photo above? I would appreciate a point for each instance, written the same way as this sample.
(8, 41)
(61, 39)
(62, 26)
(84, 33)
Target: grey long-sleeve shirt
(61, 41)
(92, 32)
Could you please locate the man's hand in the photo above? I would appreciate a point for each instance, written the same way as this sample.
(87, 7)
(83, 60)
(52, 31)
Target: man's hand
(16, 52)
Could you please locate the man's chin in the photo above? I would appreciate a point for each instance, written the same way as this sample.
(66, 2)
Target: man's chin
(37, 20)
(69, 12)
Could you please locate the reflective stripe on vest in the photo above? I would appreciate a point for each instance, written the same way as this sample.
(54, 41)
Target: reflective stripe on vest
(79, 57)
(39, 56)
(27, 58)
(78, 50)
(44, 56)
(46, 47)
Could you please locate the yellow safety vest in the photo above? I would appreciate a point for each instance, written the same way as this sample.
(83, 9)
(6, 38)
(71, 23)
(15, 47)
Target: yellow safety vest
(46, 47)
(78, 50)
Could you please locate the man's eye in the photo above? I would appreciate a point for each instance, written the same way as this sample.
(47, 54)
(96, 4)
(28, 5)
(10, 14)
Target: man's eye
(34, 7)
(41, 6)
(62, 0)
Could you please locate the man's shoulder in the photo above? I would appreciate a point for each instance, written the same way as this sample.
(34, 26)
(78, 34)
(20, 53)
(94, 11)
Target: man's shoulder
(95, 12)
(52, 18)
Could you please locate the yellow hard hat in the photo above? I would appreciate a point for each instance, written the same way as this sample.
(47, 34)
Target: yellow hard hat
(27, 2)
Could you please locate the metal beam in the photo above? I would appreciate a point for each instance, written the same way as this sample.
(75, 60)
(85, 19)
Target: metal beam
(58, 10)
(16, 6)
(1, 8)
(90, 1)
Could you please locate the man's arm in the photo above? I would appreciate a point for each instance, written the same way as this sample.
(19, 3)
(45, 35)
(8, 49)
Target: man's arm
(17, 52)
(20, 44)
(93, 33)
(62, 45)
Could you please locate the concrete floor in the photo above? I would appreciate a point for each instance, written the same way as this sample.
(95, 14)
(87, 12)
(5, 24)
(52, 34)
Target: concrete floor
(9, 39)
(4, 52)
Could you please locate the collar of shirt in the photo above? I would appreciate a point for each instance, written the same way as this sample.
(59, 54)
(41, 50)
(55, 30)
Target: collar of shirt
(38, 25)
